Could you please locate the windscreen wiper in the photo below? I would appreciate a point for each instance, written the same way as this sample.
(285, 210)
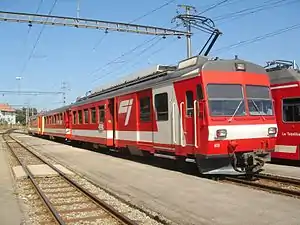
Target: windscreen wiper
(237, 108)
(257, 109)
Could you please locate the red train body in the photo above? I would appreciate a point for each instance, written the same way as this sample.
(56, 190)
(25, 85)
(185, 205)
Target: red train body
(217, 113)
(285, 86)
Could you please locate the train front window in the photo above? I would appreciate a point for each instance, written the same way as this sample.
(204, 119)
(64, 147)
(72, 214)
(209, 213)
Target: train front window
(226, 100)
(259, 100)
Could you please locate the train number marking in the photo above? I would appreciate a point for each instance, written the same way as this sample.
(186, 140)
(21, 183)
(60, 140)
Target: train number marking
(125, 107)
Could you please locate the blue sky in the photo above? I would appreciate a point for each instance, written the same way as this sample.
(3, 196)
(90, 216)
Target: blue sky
(71, 55)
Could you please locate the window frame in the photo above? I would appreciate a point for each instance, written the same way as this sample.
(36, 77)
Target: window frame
(243, 91)
(156, 111)
(74, 115)
(101, 108)
(86, 116)
(236, 98)
(80, 116)
(186, 106)
(251, 98)
(148, 119)
(91, 115)
(263, 86)
(288, 122)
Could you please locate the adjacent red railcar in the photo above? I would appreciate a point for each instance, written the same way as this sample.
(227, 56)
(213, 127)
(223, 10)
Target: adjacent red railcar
(217, 113)
(285, 86)
(33, 125)
(56, 123)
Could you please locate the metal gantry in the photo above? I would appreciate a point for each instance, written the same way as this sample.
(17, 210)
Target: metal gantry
(87, 23)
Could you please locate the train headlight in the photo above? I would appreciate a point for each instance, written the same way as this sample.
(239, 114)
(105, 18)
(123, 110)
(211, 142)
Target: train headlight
(272, 130)
(221, 133)
(240, 67)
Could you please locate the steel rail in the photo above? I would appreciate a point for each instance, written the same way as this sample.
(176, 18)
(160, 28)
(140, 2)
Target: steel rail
(281, 179)
(53, 211)
(110, 210)
(266, 187)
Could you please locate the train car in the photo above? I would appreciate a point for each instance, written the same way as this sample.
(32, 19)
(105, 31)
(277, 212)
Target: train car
(217, 113)
(33, 125)
(56, 123)
(285, 87)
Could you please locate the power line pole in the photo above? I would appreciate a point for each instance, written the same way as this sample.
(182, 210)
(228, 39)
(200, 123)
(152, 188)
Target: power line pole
(188, 9)
(78, 8)
(199, 22)
(63, 88)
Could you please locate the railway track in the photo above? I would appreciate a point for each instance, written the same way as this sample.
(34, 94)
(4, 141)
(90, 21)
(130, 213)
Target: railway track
(67, 201)
(276, 184)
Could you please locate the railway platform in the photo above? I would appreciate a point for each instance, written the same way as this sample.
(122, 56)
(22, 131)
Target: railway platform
(185, 199)
(282, 170)
(10, 212)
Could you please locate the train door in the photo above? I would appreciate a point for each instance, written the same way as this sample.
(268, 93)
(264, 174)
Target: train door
(111, 123)
(288, 141)
(145, 119)
(162, 123)
(188, 116)
(191, 115)
(43, 118)
(67, 121)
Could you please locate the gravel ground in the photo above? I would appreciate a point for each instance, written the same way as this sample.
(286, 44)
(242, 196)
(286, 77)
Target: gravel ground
(33, 207)
(282, 185)
(25, 157)
(56, 184)
(130, 212)
(11, 159)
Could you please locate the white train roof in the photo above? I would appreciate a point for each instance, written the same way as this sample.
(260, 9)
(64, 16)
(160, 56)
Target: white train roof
(136, 75)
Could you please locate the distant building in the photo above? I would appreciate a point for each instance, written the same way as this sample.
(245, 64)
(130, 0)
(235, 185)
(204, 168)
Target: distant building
(7, 114)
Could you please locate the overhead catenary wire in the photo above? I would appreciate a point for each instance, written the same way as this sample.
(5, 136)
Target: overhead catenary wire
(149, 55)
(138, 55)
(258, 38)
(210, 7)
(213, 6)
(252, 10)
(37, 40)
(136, 19)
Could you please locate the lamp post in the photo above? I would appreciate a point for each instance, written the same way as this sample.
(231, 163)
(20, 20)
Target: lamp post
(19, 83)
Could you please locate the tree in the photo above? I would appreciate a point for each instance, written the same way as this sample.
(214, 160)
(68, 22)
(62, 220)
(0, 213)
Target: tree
(21, 114)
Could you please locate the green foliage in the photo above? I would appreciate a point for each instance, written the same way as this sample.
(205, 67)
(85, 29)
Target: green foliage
(21, 114)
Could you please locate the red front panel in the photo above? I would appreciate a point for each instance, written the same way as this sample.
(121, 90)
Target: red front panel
(287, 104)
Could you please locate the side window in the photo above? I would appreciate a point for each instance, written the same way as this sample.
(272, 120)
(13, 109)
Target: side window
(93, 115)
(101, 114)
(189, 103)
(161, 106)
(145, 109)
(86, 116)
(199, 92)
(291, 110)
(80, 116)
(74, 117)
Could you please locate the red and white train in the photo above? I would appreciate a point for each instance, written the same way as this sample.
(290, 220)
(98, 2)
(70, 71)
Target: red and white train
(285, 88)
(217, 113)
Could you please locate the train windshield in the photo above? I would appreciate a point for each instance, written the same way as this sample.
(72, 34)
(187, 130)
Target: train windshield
(226, 99)
(259, 100)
